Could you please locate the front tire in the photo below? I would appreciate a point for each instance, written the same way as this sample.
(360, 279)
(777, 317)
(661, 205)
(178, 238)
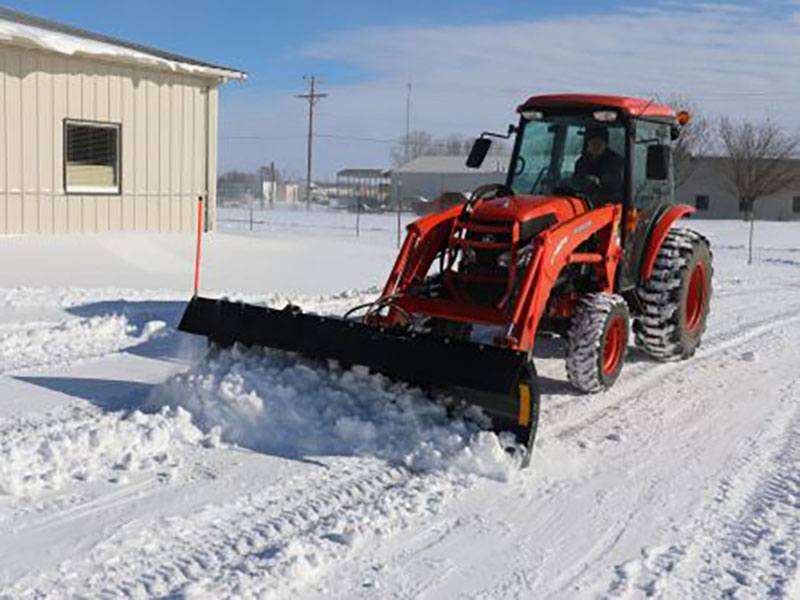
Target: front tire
(597, 342)
(676, 297)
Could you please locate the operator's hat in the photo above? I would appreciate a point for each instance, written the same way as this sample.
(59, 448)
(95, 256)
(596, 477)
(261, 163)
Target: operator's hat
(596, 131)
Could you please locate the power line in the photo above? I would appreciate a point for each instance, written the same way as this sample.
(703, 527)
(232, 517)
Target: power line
(312, 97)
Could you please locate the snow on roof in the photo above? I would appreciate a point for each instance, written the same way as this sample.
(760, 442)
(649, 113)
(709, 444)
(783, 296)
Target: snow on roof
(447, 164)
(30, 31)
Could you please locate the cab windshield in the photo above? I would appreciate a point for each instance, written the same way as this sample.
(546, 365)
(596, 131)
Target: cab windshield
(570, 155)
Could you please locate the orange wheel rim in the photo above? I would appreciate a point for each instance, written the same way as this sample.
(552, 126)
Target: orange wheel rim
(696, 298)
(614, 346)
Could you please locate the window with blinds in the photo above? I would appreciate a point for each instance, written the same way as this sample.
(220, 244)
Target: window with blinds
(91, 152)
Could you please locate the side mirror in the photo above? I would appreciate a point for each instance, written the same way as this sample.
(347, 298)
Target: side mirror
(658, 160)
(478, 153)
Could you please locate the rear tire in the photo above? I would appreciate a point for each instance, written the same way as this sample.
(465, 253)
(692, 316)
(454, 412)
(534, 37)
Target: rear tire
(676, 297)
(597, 342)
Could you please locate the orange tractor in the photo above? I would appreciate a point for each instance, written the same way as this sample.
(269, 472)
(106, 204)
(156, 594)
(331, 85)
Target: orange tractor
(579, 241)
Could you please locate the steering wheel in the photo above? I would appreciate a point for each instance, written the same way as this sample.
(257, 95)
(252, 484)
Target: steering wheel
(585, 183)
(580, 184)
(490, 191)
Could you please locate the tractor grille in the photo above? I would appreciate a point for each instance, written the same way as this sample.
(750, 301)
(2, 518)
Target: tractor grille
(483, 242)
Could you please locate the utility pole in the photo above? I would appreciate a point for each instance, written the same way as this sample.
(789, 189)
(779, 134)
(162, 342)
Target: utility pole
(408, 122)
(273, 185)
(312, 96)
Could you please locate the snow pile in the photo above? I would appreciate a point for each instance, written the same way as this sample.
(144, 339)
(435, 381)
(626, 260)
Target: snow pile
(90, 447)
(56, 344)
(274, 403)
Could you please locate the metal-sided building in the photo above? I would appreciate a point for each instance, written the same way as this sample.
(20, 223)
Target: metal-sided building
(708, 190)
(430, 176)
(98, 134)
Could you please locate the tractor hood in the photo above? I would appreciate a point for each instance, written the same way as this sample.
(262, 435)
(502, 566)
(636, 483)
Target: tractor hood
(523, 208)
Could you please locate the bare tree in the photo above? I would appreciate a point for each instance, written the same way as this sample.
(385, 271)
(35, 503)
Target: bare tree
(758, 163)
(697, 138)
(452, 145)
(416, 143)
(422, 143)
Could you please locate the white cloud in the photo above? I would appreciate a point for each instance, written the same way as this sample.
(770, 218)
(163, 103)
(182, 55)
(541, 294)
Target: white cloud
(732, 59)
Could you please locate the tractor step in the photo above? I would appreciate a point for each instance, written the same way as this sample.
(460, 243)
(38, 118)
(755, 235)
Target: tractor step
(500, 381)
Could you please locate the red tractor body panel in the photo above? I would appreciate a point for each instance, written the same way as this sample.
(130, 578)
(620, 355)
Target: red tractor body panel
(634, 107)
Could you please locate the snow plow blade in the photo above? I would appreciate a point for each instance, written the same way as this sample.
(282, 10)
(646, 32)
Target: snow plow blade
(500, 381)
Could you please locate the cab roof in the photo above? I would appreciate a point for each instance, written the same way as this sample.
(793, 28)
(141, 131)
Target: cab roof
(632, 107)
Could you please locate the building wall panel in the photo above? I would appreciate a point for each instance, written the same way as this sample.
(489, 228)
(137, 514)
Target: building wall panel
(60, 99)
(165, 150)
(175, 139)
(164, 143)
(29, 137)
(13, 113)
(128, 149)
(3, 143)
(44, 147)
(187, 150)
(211, 141)
(115, 116)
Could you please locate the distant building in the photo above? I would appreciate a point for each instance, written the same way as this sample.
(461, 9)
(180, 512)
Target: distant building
(371, 188)
(429, 177)
(100, 134)
(280, 192)
(708, 191)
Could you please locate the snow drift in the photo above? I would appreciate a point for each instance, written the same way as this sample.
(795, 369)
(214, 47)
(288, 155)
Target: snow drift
(85, 447)
(273, 403)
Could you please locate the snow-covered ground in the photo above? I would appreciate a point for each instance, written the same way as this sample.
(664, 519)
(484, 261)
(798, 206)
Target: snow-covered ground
(133, 464)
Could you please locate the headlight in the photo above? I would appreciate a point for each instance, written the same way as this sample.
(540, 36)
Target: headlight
(468, 256)
(523, 256)
(504, 259)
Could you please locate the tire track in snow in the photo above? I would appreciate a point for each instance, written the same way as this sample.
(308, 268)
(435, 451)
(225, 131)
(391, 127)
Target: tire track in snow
(609, 404)
(746, 541)
(648, 368)
(84, 445)
(268, 543)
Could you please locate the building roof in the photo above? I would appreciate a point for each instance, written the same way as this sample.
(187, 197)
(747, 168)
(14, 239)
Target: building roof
(448, 165)
(28, 30)
(635, 107)
(363, 173)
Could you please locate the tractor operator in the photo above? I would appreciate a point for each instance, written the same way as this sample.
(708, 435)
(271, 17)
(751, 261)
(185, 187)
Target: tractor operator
(601, 167)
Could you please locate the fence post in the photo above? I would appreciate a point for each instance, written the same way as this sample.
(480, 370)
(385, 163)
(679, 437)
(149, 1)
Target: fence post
(358, 216)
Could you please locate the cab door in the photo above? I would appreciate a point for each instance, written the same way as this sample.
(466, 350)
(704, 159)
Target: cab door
(649, 198)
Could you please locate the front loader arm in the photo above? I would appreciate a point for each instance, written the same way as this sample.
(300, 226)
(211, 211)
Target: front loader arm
(426, 237)
(554, 250)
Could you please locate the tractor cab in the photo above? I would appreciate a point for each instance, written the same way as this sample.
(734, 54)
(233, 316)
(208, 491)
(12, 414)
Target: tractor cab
(601, 149)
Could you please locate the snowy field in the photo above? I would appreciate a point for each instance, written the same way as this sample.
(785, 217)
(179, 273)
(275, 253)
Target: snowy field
(133, 465)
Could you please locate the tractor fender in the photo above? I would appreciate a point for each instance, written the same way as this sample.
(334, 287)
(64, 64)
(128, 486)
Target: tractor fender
(659, 234)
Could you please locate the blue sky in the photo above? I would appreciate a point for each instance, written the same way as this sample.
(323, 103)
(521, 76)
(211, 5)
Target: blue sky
(471, 62)
(266, 38)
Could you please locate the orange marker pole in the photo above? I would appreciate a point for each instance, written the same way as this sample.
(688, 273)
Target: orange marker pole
(199, 249)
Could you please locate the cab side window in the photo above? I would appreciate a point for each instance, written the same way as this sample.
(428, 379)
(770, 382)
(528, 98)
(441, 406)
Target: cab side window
(648, 192)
